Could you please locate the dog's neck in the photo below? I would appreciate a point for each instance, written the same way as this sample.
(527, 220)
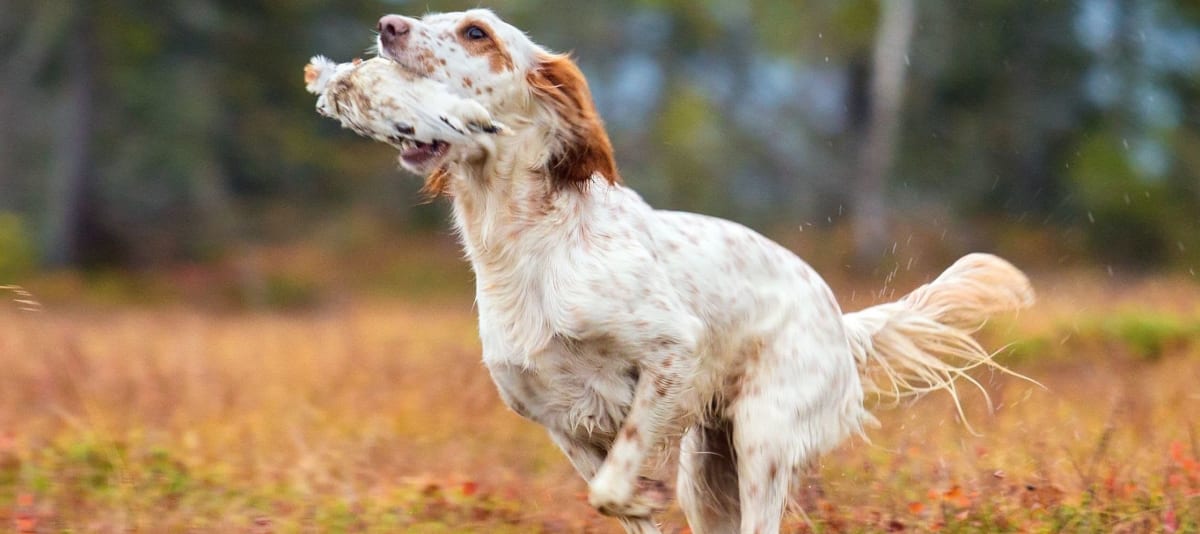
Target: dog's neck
(508, 197)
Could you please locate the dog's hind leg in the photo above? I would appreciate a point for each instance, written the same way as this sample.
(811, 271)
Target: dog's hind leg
(707, 484)
(798, 396)
(764, 465)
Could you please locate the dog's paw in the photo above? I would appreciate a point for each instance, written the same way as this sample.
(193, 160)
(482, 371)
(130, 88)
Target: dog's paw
(616, 496)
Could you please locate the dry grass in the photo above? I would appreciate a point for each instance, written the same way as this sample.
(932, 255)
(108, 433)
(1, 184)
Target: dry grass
(378, 416)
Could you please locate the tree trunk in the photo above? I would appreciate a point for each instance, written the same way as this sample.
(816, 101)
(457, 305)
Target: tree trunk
(33, 29)
(8, 168)
(68, 180)
(878, 146)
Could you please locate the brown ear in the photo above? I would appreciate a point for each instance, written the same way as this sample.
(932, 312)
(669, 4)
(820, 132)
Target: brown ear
(585, 148)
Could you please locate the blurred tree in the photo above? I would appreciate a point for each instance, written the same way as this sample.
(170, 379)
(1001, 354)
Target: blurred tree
(1133, 172)
(70, 197)
(878, 146)
(994, 95)
(29, 31)
(184, 131)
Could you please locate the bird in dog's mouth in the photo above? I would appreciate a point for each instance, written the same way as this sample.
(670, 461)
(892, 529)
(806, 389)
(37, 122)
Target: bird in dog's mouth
(380, 99)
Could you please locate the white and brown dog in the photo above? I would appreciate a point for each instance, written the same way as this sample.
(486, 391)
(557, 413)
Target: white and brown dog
(623, 329)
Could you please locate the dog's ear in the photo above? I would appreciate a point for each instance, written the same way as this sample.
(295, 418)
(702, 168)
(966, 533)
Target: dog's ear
(584, 148)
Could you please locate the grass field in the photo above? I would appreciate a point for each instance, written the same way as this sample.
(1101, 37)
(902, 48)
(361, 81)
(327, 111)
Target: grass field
(377, 416)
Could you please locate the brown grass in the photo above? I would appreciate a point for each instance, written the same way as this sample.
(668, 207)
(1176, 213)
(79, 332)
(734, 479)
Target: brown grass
(378, 416)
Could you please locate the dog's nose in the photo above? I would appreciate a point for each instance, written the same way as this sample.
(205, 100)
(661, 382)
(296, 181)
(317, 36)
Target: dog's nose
(393, 27)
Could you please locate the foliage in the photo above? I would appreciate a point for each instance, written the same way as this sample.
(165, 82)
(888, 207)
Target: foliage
(1146, 336)
(377, 417)
(195, 136)
(17, 257)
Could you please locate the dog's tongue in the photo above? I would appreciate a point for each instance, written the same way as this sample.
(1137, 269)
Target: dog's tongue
(423, 152)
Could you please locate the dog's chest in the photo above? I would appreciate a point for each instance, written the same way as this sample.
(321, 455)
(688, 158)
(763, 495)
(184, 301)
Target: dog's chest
(580, 388)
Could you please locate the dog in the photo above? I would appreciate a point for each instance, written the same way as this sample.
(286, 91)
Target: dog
(625, 330)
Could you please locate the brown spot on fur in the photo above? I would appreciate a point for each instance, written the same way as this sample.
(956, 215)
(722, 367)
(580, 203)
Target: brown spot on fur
(630, 433)
(752, 350)
(733, 385)
(426, 62)
(773, 471)
(491, 47)
(467, 82)
(662, 384)
(344, 89)
(584, 146)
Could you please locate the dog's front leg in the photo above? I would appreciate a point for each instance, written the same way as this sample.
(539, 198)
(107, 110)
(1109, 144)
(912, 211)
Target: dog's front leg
(615, 488)
(587, 458)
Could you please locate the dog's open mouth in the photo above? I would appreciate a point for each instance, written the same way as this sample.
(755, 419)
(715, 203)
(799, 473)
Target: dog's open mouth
(418, 154)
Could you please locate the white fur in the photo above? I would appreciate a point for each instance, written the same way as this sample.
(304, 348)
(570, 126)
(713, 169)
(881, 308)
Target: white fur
(404, 107)
(623, 329)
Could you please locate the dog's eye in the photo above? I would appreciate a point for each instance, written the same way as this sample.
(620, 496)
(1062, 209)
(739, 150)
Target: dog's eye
(475, 33)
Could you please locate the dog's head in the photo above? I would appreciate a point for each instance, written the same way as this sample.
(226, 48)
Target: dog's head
(475, 55)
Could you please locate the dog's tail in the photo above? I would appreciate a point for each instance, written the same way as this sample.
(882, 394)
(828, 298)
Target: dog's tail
(923, 342)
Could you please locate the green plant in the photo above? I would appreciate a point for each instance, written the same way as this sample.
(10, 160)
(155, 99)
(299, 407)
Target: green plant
(16, 248)
(1148, 335)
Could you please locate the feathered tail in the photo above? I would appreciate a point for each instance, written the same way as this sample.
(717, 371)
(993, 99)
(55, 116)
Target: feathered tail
(923, 342)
